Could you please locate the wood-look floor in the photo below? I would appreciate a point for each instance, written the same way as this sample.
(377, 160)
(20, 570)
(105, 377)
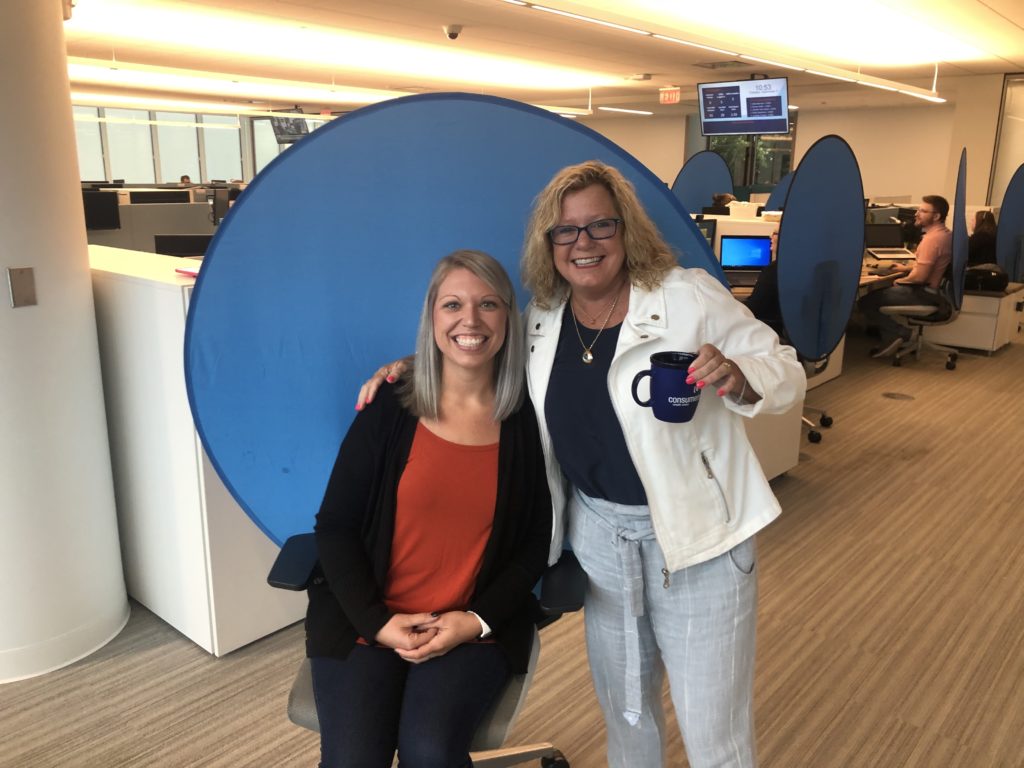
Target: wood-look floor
(891, 616)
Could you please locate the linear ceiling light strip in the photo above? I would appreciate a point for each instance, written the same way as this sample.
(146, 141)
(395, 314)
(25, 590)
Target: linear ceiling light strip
(836, 74)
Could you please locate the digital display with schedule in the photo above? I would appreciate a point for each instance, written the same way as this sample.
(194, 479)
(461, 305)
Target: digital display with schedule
(744, 106)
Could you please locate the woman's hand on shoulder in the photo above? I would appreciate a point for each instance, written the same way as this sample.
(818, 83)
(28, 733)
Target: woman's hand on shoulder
(453, 629)
(407, 631)
(389, 373)
(713, 370)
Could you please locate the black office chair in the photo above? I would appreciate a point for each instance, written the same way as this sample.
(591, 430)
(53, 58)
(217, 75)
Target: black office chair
(814, 368)
(917, 317)
(562, 589)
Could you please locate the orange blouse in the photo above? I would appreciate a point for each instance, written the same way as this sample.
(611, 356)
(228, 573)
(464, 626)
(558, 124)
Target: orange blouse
(443, 518)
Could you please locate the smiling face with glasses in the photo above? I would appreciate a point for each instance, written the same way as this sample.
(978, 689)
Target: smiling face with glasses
(567, 234)
(587, 245)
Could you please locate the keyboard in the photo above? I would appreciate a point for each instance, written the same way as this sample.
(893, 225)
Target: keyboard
(742, 279)
(890, 253)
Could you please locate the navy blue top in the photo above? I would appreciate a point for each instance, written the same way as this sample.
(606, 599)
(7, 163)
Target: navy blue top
(585, 431)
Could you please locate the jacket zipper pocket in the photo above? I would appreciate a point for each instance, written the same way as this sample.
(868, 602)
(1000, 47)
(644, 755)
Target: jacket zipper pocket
(718, 486)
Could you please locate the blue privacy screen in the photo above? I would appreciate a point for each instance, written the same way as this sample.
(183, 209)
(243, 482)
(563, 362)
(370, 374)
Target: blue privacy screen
(959, 227)
(703, 175)
(317, 275)
(821, 247)
(777, 198)
(1010, 234)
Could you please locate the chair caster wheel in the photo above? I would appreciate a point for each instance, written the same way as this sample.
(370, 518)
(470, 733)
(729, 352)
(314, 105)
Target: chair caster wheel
(825, 420)
(558, 761)
(951, 365)
(814, 436)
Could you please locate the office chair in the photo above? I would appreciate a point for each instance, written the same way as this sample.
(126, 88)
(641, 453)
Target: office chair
(917, 317)
(813, 368)
(562, 589)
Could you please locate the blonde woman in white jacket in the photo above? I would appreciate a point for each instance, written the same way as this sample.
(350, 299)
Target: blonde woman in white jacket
(662, 516)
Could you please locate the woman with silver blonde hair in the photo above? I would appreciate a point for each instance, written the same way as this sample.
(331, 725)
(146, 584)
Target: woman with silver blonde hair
(433, 530)
(661, 516)
(422, 392)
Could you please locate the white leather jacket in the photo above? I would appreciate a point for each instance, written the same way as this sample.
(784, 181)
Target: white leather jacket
(704, 485)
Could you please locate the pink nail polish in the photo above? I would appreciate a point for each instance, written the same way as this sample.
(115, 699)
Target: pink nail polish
(700, 384)
(391, 379)
(689, 379)
(721, 393)
(359, 406)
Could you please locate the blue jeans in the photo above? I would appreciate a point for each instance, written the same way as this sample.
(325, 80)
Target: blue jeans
(697, 623)
(893, 296)
(373, 702)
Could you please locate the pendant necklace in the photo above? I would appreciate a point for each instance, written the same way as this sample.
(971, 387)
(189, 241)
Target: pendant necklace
(588, 356)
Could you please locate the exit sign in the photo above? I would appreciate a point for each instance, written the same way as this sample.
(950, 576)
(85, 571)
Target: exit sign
(669, 95)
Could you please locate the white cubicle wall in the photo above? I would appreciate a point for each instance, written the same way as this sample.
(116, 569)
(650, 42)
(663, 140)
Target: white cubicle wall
(191, 555)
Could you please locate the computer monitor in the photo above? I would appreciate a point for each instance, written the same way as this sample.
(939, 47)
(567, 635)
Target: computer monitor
(883, 236)
(101, 210)
(707, 228)
(221, 197)
(716, 210)
(746, 251)
(181, 245)
(159, 196)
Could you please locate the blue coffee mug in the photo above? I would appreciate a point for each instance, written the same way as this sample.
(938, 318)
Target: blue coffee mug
(672, 399)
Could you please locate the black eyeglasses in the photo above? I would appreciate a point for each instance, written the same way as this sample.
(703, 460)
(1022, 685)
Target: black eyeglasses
(567, 234)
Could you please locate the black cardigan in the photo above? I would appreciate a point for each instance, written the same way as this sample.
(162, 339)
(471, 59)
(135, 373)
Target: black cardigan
(355, 525)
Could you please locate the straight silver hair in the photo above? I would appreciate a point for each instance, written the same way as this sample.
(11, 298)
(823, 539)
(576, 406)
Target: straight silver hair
(421, 392)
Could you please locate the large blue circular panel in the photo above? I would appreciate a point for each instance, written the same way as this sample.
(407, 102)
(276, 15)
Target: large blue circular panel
(777, 198)
(703, 175)
(1010, 234)
(960, 245)
(318, 274)
(821, 247)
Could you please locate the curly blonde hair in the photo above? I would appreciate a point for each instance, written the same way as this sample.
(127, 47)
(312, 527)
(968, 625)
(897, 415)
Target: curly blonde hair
(648, 257)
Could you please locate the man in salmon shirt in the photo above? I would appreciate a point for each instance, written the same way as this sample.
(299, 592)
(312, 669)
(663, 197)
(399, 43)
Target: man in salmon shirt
(920, 284)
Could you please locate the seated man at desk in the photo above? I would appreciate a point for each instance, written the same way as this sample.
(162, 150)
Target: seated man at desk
(763, 301)
(933, 256)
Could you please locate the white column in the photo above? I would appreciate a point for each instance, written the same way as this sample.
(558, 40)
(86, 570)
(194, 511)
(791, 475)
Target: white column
(62, 591)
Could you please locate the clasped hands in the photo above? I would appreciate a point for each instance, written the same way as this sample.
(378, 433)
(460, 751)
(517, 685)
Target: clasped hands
(417, 637)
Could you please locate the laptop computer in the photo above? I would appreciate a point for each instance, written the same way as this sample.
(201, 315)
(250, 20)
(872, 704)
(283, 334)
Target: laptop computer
(743, 257)
(884, 242)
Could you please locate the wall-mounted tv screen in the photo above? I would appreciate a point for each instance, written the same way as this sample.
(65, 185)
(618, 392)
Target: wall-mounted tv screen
(288, 130)
(744, 106)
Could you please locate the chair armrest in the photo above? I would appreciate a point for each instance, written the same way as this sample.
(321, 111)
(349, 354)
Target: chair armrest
(293, 568)
(562, 586)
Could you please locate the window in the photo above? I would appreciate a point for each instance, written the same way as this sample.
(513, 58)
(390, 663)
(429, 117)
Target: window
(757, 162)
(130, 146)
(222, 146)
(90, 145)
(178, 146)
(1010, 141)
(265, 145)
